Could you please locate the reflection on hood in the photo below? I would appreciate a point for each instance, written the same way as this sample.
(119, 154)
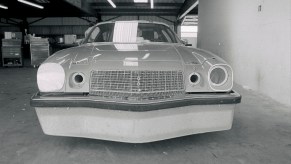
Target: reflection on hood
(126, 47)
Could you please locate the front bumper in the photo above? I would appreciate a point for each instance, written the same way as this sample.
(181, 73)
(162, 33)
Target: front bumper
(85, 116)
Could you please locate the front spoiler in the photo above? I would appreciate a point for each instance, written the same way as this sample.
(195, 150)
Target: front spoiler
(77, 100)
(85, 116)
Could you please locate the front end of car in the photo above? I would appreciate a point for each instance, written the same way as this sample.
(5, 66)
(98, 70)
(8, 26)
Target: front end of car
(133, 81)
(120, 101)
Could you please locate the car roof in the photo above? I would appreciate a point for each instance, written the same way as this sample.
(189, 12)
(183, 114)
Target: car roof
(138, 21)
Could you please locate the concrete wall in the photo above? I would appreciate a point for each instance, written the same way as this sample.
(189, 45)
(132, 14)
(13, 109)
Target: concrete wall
(256, 43)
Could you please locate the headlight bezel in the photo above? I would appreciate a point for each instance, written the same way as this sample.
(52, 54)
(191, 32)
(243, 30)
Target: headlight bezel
(212, 69)
(227, 83)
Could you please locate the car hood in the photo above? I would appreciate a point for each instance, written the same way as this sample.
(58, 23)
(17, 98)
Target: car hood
(155, 56)
(140, 52)
(121, 52)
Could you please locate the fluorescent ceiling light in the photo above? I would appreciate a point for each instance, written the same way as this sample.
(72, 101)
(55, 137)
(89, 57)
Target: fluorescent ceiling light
(140, 1)
(152, 4)
(111, 3)
(3, 7)
(31, 4)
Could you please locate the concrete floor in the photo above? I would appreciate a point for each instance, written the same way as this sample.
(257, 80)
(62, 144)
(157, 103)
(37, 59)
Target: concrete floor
(261, 133)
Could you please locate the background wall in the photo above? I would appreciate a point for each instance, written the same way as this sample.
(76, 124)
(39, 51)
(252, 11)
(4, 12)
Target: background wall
(72, 25)
(257, 43)
(47, 27)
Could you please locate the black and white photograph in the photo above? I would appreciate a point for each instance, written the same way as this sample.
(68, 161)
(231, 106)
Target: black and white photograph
(145, 81)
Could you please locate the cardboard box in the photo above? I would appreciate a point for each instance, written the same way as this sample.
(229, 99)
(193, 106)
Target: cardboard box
(70, 39)
(8, 35)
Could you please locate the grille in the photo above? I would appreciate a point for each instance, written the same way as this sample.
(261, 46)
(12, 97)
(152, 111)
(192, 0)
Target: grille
(137, 85)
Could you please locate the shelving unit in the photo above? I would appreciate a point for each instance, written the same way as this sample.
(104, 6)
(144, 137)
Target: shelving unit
(11, 53)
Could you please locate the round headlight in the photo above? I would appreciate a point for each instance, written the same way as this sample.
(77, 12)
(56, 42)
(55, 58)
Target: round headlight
(218, 76)
(50, 77)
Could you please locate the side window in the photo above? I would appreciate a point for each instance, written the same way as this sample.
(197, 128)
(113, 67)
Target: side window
(87, 32)
(105, 36)
(102, 37)
(93, 35)
(158, 37)
(148, 35)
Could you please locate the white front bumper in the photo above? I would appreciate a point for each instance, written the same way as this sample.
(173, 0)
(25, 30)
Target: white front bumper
(135, 127)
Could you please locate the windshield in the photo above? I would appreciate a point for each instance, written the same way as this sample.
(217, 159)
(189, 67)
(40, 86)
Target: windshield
(131, 32)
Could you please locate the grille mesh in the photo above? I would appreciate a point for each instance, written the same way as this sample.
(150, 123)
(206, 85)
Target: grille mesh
(136, 84)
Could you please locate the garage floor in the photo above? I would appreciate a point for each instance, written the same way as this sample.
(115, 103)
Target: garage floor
(261, 133)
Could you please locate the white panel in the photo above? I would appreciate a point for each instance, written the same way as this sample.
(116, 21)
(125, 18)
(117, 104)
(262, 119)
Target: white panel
(256, 43)
(189, 29)
(189, 34)
(125, 32)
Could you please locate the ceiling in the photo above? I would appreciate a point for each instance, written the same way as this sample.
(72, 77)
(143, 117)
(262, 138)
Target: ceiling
(128, 7)
(52, 8)
(96, 8)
